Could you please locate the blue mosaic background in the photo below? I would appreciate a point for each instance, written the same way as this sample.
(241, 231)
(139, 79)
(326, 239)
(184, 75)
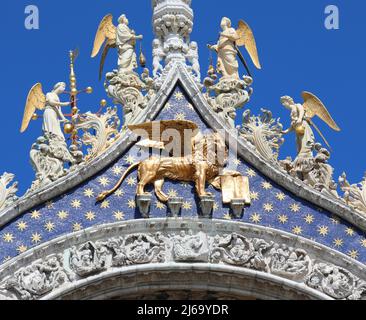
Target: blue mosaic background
(272, 206)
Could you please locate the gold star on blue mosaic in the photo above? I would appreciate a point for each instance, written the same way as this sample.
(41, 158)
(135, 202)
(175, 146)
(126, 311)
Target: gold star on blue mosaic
(36, 215)
(254, 196)
(280, 196)
(76, 204)
(363, 243)
(90, 215)
(89, 193)
(282, 218)
(180, 116)
(104, 181)
(131, 204)
(266, 185)
(49, 226)
(129, 159)
(159, 205)
(255, 218)
(323, 230)
(8, 237)
(309, 219)
(297, 230)
(172, 193)
(119, 215)
(117, 170)
(350, 232)
(179, 96)
(21, 225)
(36, 238)
(105, 204)
(250, 173)
(268, 207)
(119, 193)
(49, 205)
(354, 254)
(338, 242)
(335, 219)
(22, 248)
(63, 215)
(295, 208)
(131, 181)
(227, 216)
(187, 205)
(77, 227)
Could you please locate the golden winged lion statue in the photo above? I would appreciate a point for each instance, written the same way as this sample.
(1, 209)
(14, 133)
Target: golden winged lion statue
(228, 45)
(301, 122)
(120, 37)
(205, 157)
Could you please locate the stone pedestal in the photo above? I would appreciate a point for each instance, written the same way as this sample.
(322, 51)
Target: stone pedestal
(143, 203)
(206, 205)
(175, 206)
(237, 207)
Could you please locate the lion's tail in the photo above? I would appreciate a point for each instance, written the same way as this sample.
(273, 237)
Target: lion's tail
(106, 194)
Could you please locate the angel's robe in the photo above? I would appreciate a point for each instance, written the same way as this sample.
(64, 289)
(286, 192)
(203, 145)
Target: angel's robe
(227, 63)
(126, 42)
(51, 122)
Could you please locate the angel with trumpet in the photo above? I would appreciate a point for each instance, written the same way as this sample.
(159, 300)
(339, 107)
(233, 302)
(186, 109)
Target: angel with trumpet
(228, 45)
(302, 124)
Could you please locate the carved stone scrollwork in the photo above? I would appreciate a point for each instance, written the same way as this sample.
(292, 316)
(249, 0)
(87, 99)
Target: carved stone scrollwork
(264, 133)
(126, 90)
(228, 95)
(333, 281)
(40, 278)
(49, 155)
(315, 171)
(88, 259)
(7, 193)
(183, 246)
(354, 195)
(187, 247)
(105, 131)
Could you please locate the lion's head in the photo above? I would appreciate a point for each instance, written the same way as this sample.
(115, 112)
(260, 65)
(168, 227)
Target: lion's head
(210, 148)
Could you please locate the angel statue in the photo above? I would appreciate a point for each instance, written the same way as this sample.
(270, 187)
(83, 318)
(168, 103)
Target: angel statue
(120, 37)
(51, 104)
(227, 48)
(301, 124)
(50, 152)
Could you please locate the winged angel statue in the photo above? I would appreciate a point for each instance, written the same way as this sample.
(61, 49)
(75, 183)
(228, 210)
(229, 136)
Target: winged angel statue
(120, 37)
(301, 124)
(228, 45)
(50, 152)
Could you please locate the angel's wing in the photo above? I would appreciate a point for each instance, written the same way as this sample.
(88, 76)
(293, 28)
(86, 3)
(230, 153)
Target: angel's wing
(314, 107)
(106, 31)
(155, 129)
(248, 41)
(36, 100)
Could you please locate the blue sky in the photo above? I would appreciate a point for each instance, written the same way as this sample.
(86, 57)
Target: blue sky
(296, 50)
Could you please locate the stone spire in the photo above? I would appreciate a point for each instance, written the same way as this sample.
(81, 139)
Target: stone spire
(173, 24)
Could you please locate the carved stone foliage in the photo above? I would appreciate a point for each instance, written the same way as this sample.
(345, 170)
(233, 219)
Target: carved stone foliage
(264, 133)
(7, 193)
(227, 95)
(127, 90)
(336, 282)
(354, 195)
(315, 172)
(173, 24)
(37, 280)
(49, 155)
(187, 247)
(184, 246)
(100, 131)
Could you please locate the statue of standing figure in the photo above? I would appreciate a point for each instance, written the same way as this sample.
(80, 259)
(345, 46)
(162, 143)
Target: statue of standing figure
(126, 43)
